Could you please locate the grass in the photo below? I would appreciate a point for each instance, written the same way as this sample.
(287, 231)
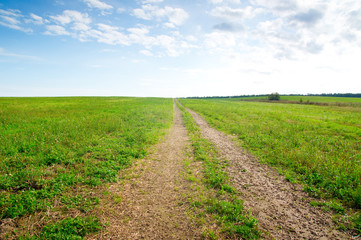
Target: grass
(308, 100)
(52, 146)
(224, 204)
(68, 229)
(319, 146)
(319, 99)
(56, 153)
(322, 99)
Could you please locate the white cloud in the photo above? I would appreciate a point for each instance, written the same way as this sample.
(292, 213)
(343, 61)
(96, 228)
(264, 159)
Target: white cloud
(143, 12)
(71, 16)
(152, 1)
(13, 19)
(220, 40)
(305, 46)
(255, 47)
(120, 10)
(141, 36)
(234, 14)
(107, 28)
(110, 35)
(191, 38)
(277, 6)
(80, 27)
(174, 45)
(139, 31)
(224, 1)
(169, 43)
(175, 16)
(146, 53)
(215, 1)
(10, 20)
(77, 25)
(56, 30)
(287, 29)
(98, 4)
(36, 19)
(299, 28)
(11, 12)
(72, 23)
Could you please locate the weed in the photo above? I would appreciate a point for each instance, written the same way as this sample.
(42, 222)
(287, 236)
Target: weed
(71, 228)
(332, 205)
(356, 220)
(80, 202)
(209, 234)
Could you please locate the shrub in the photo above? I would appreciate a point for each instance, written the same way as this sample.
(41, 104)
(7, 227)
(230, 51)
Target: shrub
(274, 96)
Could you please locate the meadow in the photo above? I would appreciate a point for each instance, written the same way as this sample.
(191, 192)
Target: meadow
(55, 152)
(322, 99)
(318, 146)
(316, 100)
(58, 155)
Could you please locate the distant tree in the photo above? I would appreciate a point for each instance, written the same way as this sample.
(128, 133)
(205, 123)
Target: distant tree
(274, 96)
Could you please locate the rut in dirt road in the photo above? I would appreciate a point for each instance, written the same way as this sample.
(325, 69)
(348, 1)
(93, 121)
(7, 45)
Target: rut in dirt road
(282, 208)
(150, 206)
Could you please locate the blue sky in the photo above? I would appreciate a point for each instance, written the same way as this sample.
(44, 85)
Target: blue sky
(174, 48)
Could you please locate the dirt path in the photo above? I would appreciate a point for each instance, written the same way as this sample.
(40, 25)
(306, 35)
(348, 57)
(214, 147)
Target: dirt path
(150, 207)
(282, 208)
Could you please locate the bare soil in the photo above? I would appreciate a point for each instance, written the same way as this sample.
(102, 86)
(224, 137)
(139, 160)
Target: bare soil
(282, 208)
(152, 204)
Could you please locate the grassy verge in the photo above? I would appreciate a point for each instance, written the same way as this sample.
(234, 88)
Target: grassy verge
(224, 203)
(56, 153)
(317, 146)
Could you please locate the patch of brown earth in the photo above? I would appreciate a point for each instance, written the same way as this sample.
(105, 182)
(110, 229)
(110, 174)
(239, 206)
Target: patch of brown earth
(282, 208)
(7, 226)
(150, 206)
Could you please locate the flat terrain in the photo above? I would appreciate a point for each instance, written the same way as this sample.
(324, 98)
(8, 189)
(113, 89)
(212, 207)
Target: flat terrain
(304, 99)
(57, 155)
(282, 208)
(150, 206)
(145, 168)
(317, 145)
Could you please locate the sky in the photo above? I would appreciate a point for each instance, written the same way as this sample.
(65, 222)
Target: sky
(179, 48)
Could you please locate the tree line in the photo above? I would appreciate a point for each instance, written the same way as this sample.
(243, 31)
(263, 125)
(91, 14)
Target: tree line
(351, 95)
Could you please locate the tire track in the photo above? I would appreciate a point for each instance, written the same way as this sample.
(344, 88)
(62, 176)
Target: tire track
(282, 208)
(150, 207)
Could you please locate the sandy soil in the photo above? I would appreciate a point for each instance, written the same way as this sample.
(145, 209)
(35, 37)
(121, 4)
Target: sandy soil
(282, 208)
(150, 206)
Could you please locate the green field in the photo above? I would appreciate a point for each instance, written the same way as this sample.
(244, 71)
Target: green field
(319, 146)
(305, 99)
(322, 99)
(55, 151)
(58, 155)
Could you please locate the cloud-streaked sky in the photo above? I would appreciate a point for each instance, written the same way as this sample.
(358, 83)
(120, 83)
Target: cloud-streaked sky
(175, 48)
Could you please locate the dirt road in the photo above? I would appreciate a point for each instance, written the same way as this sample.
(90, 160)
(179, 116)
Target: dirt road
(150, 207)
(150, 200)
(282, 208)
